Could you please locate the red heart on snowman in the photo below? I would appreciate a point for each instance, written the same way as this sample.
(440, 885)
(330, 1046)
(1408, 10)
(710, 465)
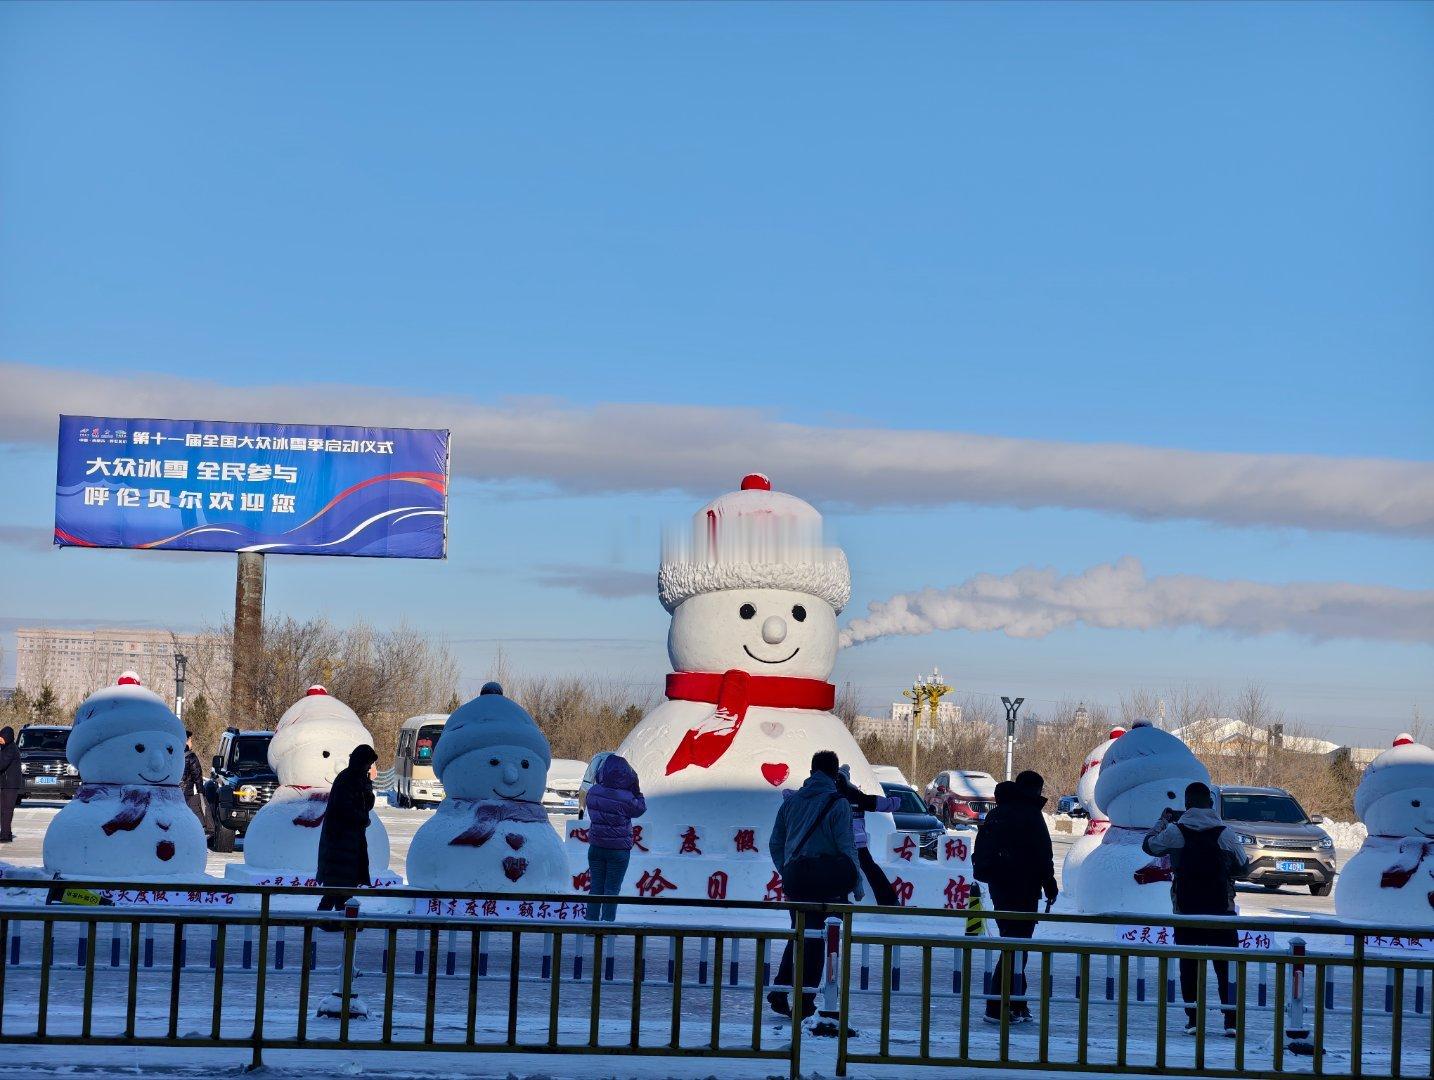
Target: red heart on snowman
(515, 840)
(775, 774)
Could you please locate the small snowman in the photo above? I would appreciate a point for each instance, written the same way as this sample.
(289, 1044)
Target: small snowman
(491, 832)
(1144, 772)
(129, 819)
(311, 746)
(754, 595)
(1096, 822)
(1390, 880)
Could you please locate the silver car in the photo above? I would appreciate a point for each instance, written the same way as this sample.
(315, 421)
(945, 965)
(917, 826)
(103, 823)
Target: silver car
(1285, 845)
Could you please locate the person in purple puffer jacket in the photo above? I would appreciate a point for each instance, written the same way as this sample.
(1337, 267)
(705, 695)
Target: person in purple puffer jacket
(613, 801)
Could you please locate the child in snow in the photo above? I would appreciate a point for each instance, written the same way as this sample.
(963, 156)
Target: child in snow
(612, 802)
(1205, 858)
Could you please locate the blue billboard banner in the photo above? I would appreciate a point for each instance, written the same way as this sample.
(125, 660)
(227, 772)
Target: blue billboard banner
(283, 489)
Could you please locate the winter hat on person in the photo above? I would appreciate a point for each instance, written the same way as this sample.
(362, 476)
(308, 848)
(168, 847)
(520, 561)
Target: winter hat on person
(118, 710)
(1404, 765)
(1143, 754)
(315, 717)
(490, 719)
(1030, 783)
(754, 538)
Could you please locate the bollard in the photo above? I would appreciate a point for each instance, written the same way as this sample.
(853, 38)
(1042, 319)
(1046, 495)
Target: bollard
(1263, 989)
(956, 971)
(732, 964)
(213, 948)
(1296, 1032)
(831, 1000)
(483, 952)
(450, 955)
(702, 962)
(896, 969)
(418, 952)
(15, 943)
(1140, 978)
(247, 956)
(1389, 990)
(279, 948)
(1110, 978)
(865, 981)
(149, 945)
(547, 965)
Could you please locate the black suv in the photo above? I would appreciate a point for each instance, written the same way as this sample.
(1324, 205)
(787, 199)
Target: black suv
(44, 772)
(240, 783)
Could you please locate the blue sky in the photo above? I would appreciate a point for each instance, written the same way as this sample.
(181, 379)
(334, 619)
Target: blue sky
(1193, 227)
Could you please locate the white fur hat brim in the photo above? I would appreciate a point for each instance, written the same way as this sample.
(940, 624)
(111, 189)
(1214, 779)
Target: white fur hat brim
(315, 718)
(117, 711)
(1144, 754)
(829, 580)
(1410, 765)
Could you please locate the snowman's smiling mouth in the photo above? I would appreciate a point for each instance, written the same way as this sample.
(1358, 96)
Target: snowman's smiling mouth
(153, 779)
(759, 660)
(511, 798)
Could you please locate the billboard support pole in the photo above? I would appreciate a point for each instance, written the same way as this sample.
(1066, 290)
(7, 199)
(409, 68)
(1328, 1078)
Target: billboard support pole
(248, 636)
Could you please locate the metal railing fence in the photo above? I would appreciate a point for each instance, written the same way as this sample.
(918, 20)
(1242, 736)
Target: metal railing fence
(267, 977)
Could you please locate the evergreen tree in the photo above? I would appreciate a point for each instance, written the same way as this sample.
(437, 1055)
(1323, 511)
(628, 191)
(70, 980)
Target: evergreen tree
(46, 705)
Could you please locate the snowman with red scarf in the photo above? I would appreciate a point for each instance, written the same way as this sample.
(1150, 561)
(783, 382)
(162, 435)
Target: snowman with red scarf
(311, 745)
(129, 820)
(754, 596)
(1390, 880)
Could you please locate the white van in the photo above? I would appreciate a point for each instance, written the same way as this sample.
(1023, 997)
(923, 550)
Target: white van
(414, 783)
(565, 775)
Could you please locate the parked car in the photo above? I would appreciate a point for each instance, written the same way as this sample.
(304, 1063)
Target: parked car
(414, 781)
(44, 772)
(564, 777)
(1286, 846)
(240, 783)
(890, 774)
(961, 797)
(1070, 805)
(913, 817)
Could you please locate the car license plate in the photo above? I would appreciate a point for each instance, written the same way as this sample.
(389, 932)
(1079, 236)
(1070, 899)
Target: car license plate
(47, 780)
(1290, 866)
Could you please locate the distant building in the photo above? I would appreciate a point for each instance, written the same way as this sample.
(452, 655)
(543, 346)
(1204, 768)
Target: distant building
(75, 663)
(897, 726)
(1226, 737)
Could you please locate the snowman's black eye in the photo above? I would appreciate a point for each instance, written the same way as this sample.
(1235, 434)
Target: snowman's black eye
(326, 753)
(169, 750)
(492, 761)
(525, 763)
(799, 613)
(139, 748)
(1414, 803)
(747, 611)
(1170, 794)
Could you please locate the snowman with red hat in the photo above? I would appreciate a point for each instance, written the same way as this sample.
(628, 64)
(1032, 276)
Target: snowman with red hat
(1096, 821)
(754, 594)
(1390, 880)
(311, 746)
(129, 820)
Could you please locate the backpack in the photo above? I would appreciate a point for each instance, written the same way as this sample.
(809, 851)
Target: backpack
(1202, 875)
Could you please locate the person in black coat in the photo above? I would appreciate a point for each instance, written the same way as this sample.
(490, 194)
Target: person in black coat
(343, 840)
(9, 782)
(1013, 857)
(193, 782)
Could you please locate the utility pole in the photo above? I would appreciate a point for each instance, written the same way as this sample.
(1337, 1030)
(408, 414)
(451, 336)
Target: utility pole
(917, 694)
(180, 663)
(1012, 707)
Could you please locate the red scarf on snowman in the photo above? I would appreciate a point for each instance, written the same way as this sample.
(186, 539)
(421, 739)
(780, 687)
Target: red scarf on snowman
(734, 692)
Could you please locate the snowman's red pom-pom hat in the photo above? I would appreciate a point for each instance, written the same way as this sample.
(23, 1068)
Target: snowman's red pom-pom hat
(1116, 732)
(122, 709)
(754, 538)
(1407, 764)
(316, 691)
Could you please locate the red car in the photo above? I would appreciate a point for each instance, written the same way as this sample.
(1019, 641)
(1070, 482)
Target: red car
(961, 796)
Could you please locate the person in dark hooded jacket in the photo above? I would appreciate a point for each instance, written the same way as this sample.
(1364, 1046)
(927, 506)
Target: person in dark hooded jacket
(9, 782)
(1013, 857)
(343, 840)
(613, 801)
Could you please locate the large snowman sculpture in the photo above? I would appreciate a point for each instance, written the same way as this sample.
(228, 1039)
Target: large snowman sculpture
(754, 596)
(1145, 771)
(129, 820)
(491, 832)
(1097, 824)
(311, 746)
(1390, 880)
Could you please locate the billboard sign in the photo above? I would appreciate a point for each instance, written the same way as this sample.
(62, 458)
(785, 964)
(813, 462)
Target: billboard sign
(282, 489)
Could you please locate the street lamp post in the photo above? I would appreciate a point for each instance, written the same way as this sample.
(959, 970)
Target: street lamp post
(180, 663)
(1012, 707)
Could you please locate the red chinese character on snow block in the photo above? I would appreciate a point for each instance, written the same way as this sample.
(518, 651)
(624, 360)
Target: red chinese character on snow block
(652, 883)
(904, 890)
(774, 888)
(717, 885)
(904, 849)
(746, 840)
(583, 882)
(958, 893)
(956, 849)
(490, 908)
(637, 838)
(689, 842)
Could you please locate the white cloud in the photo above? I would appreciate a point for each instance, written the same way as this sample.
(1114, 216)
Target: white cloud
(1032, 603)
(703, 450)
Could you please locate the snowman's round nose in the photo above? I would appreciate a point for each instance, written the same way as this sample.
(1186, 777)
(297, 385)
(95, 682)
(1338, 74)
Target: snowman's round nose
(774, 630)
(510, 774)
